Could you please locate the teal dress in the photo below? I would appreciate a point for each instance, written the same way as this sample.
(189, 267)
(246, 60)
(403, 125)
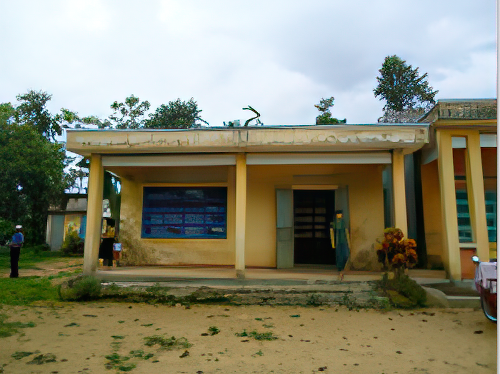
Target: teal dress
(341, 246)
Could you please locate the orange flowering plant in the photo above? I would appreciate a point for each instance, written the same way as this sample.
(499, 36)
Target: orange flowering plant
(396, 252)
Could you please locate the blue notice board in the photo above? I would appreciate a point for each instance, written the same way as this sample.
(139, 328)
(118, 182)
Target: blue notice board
(184, 213)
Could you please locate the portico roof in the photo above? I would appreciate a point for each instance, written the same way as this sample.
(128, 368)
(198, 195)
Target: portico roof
(284, 139)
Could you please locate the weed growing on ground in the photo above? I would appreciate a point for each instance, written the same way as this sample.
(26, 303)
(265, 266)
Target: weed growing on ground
(257, 335)
(167, 343)
(213, 330)
(81, 288)
(349, 302)
(10, 328)
(314, 300)
(18, 355)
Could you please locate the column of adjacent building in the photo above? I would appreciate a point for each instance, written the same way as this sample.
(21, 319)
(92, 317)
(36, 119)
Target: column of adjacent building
(475, 194)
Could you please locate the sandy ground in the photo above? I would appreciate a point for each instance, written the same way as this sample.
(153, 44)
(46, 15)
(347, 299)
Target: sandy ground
(331, 340)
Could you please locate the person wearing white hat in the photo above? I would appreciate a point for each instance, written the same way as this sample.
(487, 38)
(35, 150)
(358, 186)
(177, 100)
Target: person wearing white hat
(15, 250)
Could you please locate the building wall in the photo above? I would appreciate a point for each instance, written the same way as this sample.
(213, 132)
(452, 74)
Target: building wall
(433, 223)
(365, 200)
(140, 251)
(365, 204)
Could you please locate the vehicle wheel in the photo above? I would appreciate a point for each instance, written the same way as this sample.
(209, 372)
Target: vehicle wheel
(486, 311)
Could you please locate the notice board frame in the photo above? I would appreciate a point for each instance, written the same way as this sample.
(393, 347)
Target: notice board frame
(184, 212)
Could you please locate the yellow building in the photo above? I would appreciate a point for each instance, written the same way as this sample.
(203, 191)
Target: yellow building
(247, 196)
(459, 184)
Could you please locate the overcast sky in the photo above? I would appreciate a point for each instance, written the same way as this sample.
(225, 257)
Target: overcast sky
(279, 56)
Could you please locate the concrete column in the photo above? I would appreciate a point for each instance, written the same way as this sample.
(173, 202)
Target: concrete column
(475, 192)
(241, 205)
(399, 190)
(94, 215)
(451, 245)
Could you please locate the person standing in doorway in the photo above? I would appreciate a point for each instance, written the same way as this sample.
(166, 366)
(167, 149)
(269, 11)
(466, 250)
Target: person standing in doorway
(15, 250)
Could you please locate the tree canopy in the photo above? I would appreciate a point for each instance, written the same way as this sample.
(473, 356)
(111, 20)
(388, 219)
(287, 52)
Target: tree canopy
(176, 114)
(325, 118)
(403, 89)
(31, 165)
(129, 115)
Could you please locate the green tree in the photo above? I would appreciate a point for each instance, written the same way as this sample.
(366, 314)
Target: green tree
(325, 118)
(31, 178)
(176, 115)
(407, 93)
(31, 165)
(32, 111)
(129, 114)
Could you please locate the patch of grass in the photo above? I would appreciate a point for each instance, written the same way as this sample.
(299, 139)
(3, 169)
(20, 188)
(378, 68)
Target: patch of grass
(22, 291)
(43, 359)
(65, 274)
(10, 328)
(30, 257)
(116, 361)
(167, 343)
(213, 330)
(18, 355)
(257, 335)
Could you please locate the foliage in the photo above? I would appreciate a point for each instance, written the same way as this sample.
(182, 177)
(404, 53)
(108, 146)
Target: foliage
(129, 114)
(325, 118)
(396, 252)
(23, 291)
(81, 288)
(402, 87)
(32, 111)
(72, 244)
(31, 165)
(167, 343)
(404, 292)
(175, 115)
(6, 230)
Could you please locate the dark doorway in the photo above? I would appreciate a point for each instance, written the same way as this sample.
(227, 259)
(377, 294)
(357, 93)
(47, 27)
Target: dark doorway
(313, 211)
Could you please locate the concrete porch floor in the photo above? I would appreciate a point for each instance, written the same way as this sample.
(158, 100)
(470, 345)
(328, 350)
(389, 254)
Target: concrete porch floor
(227, 275)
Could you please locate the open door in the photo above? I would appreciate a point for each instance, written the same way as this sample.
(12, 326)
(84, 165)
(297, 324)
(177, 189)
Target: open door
(284, 229)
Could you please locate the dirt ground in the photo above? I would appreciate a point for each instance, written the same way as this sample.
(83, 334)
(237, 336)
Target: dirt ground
(47, 268)
(309, 340)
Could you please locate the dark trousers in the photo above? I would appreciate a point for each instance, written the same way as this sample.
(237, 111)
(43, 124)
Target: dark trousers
(14, 261)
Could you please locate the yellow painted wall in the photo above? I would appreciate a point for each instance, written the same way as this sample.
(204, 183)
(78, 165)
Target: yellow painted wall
(365, 203)
(433, 223)
(140, 251)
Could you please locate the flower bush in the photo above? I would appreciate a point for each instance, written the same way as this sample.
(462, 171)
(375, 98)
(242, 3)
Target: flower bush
(396, 253)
